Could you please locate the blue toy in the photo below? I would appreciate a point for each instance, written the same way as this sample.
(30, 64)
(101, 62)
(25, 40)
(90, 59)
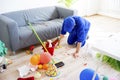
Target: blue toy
(87, 74)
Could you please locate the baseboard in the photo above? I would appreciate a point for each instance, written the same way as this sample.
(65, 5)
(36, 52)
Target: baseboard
(114, 15)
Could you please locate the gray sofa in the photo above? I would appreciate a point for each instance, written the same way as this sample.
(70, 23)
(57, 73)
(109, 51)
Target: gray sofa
(47, 21)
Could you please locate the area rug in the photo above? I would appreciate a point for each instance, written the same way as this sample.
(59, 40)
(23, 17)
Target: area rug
(70, 71)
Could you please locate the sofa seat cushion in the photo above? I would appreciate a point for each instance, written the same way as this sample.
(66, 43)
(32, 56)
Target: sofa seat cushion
(46, 30)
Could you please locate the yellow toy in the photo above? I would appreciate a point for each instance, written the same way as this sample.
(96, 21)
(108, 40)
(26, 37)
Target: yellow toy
(51, 71)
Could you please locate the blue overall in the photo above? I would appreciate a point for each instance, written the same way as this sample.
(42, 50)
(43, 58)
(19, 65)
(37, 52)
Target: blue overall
(77, 27)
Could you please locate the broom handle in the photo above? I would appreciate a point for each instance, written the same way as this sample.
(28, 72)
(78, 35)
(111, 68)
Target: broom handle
(38, 38)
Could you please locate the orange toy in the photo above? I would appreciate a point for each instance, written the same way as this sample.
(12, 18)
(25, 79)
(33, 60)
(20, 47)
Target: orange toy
(40, 66)
(35, 59)
(45, 66)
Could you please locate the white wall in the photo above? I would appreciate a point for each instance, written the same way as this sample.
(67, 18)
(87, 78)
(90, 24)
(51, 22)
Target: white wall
(86, 7)
(93, 7)
(110, 8)
(14, 5)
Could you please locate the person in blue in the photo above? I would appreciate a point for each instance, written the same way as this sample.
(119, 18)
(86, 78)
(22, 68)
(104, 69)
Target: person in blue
(78, 28)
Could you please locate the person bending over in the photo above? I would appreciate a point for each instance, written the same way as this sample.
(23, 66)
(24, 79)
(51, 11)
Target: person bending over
(77, 27)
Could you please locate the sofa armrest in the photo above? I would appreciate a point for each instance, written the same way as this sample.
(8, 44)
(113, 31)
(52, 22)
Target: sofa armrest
(9, 32)
(65, 12)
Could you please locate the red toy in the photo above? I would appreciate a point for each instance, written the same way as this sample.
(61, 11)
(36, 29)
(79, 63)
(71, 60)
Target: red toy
(28, 78)
(30, 51)
(50, 46)
(31, 48)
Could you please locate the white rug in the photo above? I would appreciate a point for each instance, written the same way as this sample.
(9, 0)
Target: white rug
(70, 71)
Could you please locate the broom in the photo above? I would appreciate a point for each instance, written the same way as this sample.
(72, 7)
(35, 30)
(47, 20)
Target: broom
(30, 25)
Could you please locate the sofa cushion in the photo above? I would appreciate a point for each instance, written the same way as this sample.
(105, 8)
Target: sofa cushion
(41, 14)
(33, 15)
(46, 30)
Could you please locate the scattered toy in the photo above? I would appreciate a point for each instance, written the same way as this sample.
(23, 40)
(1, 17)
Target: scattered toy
(37, 75)
(105, 78)
(87, 74)
(30, 51)
(24, 70)
(45, 58)
(27, 78)
(35, 59)
(51, 78)
(50, 46)
(51, 71)
(3, 67)
(85, 64)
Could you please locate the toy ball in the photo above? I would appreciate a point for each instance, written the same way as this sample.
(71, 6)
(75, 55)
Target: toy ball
(45, 58)
(35, 59)
(87, 74)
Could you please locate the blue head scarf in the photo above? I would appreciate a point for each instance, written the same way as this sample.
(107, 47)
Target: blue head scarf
(69, 24)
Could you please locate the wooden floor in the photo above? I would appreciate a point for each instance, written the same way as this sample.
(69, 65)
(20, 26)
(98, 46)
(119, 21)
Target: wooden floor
(101, 27)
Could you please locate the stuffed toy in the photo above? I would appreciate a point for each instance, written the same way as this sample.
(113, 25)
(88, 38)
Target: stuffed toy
(50, 46)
